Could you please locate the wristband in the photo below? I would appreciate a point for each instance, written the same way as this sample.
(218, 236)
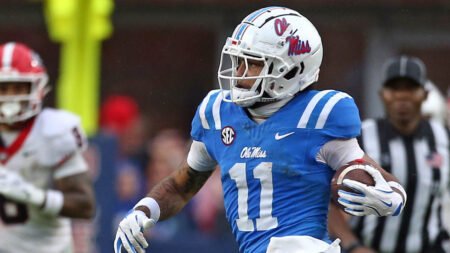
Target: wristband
(152, 205)
(36, 196)
(352, 246)
(54, 201)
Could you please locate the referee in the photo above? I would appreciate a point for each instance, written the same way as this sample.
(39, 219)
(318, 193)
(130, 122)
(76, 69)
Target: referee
(414, 150)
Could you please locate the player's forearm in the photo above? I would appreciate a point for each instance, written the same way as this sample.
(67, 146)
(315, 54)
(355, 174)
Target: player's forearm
(174, 192)
(79, 200)
(388, 176)
(339, 227)
(169, 198)
(78, 205)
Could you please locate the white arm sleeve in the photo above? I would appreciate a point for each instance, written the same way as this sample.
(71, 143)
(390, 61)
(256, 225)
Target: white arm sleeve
(199, 158)
(338, 152)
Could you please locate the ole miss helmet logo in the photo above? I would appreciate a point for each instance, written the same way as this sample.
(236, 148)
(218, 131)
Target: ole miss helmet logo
(297, 46)
(280, 26)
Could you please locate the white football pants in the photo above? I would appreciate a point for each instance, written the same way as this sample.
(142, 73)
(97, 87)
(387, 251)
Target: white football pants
(301, 244)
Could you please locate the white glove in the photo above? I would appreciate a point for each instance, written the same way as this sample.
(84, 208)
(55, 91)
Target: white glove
(14, 187)
(130, 232)
(378, 200)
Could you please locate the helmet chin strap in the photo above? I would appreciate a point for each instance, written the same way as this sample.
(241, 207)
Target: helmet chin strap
(238, 93)
(267, 99)
(268, 109)
(10, 109)
(243, 95)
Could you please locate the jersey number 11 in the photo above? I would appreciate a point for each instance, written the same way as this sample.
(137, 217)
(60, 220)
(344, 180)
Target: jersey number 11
(263, 172)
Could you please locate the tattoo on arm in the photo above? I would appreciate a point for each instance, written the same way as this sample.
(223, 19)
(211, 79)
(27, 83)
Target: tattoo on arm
(195, 180)
(174, 192)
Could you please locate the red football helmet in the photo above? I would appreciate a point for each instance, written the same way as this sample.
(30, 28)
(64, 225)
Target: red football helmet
(18, 63)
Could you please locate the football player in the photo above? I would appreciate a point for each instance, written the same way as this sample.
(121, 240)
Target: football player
(43, 176)
(278, 143)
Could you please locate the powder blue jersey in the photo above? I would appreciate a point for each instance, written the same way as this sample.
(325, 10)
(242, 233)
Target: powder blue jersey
(272, 183)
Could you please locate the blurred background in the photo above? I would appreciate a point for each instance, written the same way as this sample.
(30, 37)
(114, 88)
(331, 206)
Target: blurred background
(135, 70)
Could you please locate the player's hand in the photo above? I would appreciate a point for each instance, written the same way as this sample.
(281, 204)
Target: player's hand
(130, 234)
(378, 200)
(14, 187)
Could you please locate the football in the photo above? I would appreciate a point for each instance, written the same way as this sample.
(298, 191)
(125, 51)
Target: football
(354, 171)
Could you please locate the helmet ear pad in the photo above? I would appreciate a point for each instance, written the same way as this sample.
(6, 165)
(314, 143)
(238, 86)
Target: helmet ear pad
(291, 74)
(294, 71)
(278, 86)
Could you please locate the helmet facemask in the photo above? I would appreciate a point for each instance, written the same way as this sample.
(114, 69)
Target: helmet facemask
(16, 108)
(232, 57)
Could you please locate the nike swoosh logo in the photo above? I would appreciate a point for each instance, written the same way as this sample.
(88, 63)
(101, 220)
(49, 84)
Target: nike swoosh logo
(387, 204)
(279, 137)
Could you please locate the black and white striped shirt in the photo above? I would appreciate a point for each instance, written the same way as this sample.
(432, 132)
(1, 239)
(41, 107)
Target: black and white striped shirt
(421, 163)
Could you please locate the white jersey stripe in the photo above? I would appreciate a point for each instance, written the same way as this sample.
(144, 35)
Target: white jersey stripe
(370, 223)
(372, 148)
(397, 153)
(203, 109)
(370, 139)
(442, 145)
(433, 223)
(391, 229)
(310, 107)
(422, 197)
(328, 107)
(216, 109)
(7, 56)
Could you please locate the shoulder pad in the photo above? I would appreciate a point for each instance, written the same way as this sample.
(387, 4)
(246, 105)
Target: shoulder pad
(57, 122)
(333, 112)
(62, 134)
(209, 110)
(208, 114)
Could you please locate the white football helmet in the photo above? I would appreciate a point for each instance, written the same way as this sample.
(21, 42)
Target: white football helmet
(287, 43)
(21, 64)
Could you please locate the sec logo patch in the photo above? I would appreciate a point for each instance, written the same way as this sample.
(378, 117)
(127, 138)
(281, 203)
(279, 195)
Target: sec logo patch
(228, 135)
